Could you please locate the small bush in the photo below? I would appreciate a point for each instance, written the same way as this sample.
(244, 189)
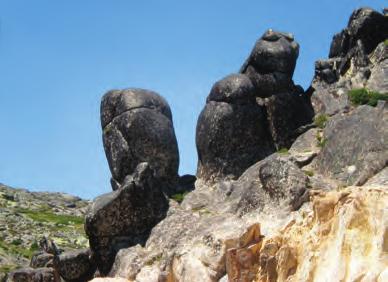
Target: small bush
(17, 242)
(363, 96)
(283, 151)
(386, 42)
(321, 140)
(320, 120)
(179, 197)
(309, 173)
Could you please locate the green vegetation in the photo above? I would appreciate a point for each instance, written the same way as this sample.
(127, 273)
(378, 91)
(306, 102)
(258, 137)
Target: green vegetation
(320, 120)
(34, 246)
(386, 42)
(47, 216)
(154, 259)
(363, 96)
(283, 151)
(17, 242)
(7, 268)
(179, 197)
(321, 140)
(309, 172)
(16, 249)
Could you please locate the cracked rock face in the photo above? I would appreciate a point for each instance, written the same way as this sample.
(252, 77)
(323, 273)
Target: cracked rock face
(124, 217)
(137, 127)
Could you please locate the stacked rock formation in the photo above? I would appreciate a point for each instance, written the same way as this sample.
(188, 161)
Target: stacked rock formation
(357, 59)
(137, 127)
(142, 153)
(256, 215)
(250, 115)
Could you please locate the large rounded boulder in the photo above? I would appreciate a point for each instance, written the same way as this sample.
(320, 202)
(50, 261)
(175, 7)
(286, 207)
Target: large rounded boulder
(137, 127)
(231, 135)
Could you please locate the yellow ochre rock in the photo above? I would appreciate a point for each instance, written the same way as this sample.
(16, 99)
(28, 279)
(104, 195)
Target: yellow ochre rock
(344, 237)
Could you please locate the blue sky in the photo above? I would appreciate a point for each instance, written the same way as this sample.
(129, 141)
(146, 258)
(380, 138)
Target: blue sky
(57, 58)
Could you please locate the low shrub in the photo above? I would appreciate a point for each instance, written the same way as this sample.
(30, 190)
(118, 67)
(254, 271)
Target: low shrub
(363, 96)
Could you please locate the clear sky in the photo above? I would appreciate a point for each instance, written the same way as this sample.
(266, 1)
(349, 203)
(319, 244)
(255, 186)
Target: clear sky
(57, 58)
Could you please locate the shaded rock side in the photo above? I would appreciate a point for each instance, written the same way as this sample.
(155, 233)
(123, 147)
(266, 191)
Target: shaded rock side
(137, 127)
(124, 217)
(357, 59)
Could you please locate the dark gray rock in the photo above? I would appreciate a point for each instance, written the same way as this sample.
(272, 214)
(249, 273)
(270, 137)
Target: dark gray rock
(41, 259)
(33, 275)
(75, 265)
(272, 183)
(358, 59)
(286, 113)
(366, 25)
(235, 88)
(230, 138)
(125, 217)
(137, 127)
(271, 63)
(274, 52)
(356, 145)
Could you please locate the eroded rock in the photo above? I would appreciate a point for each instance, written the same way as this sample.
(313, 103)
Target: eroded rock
(356, 146)
(125, 217)
(137, 127)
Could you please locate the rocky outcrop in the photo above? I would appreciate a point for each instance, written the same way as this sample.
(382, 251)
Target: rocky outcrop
(343, 237)
(33, 275)
(357, 59)
(27, 216)
(238, 127)
(75, 265)
(137, 127)
(125, 217)
(356, 146)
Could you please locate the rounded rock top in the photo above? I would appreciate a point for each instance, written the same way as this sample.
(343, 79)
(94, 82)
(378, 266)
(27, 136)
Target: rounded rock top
(275, 52)
(116, 102)
(232, 88)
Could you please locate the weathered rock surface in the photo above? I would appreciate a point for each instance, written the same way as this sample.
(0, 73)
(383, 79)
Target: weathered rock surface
(125, 217)
(231, 133)
(238, 127)
(343, 237)
(271, 63)
(33, 275)
(137, 127)
(357, 59)
(75, 265)
(356, 146)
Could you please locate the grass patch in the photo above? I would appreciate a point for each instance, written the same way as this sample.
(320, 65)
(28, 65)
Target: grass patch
(363, 96)
(7, 268)
(386, 42)
(283, 151)
(154, 259)
(309, 173)
(46, 216)
(179, 197)
(16, 249)
(320, 120)
(321, 140)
